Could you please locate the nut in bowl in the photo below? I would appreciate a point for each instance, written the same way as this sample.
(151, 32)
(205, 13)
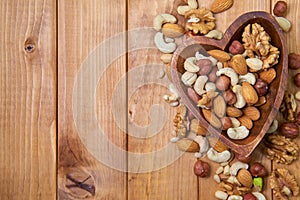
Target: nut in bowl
(237, 75)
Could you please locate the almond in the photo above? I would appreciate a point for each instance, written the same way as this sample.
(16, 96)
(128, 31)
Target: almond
(246, 121)
(268, 75)
(249, 93)
(219, 55)
(172, 30)
(245, 178)
(216, 144)
(219, 106)
(197, 128)
(238, 63)
(221, 5)
(233, 112)
(212, 118)
(188, 145)
(252, 112)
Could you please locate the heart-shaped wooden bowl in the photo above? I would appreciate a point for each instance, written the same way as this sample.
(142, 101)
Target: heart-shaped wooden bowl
(276, 89)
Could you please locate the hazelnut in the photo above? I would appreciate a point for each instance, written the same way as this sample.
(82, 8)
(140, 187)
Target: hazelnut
(249, 196)
(280, 8)
(193, 95)
(236, 48)
(289, 130)
(226, 123)
(212, 77)
(223, 83)
(258, 170)
(244, 159)
(298, 118)
(229, 97)
(205, 66)
(201, 168)
(261, 87)
(297, 80)
(294, 61)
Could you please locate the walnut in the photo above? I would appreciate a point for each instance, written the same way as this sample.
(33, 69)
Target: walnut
(200, 20)
(180, 121)
(283, 184)
(281, 149)
(257, 43)
(288, 107)
(272, 58)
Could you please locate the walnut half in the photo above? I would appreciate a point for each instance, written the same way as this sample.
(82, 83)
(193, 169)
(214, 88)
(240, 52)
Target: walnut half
(283, 184)
(281, 149)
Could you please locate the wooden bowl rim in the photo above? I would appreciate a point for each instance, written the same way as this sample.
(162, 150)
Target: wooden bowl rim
(245, 149)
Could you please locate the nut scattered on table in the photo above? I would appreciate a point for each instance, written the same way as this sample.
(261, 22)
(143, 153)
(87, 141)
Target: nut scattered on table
(294, 61)
(283, 184)
(280, 8)
(281, 149)
(289, 130)
(201, 169)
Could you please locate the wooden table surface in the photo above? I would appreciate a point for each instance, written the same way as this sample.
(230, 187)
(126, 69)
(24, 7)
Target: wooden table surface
(72, 68)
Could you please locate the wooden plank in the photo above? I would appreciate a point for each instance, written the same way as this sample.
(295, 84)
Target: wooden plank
(150, 177)
(293, 44)
(28, 99)
(90, 66)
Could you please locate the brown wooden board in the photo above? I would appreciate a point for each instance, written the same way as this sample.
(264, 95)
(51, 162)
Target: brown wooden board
(28, 100)
(85, 89)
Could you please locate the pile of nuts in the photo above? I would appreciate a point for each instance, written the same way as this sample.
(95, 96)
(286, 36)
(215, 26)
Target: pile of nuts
(239, 181)
(230, 87)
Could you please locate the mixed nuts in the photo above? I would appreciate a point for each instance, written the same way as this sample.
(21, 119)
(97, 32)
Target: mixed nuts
(229, 87)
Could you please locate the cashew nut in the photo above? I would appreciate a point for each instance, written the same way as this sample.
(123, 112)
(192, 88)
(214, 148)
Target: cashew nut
(199, 84)
(188, 78)
(190, 66)
(235, 167)
(273, 127)
(240, 101)
(162, 45)
(215, 34)
(183, 9)
(192, 4)
(259, 196)
(235, 197)
(221, 195)
(249, 77)
(203, 143)
(159, 20)
(235, 122)
(234, 79)
(238, 133)
(218, 157)
(254, 64)
(210, 86)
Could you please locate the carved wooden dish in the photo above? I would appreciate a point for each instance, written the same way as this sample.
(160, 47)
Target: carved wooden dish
(276, 88)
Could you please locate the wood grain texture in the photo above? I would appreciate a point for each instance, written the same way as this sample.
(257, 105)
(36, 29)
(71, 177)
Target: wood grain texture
(173, 181)
(83, 27)
(28, 100)
(293, 44)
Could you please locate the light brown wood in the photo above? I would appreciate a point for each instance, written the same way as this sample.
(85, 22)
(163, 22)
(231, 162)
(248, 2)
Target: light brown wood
(174, 181)
(293, 44)
(82, 27)
(28, 100)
